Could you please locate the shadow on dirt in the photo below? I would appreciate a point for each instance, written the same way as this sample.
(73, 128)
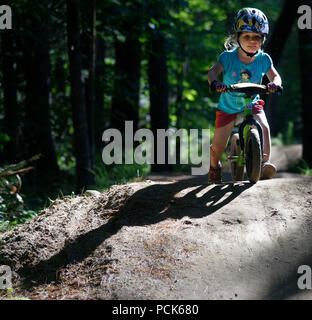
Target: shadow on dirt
(288, 287)
(145, 207)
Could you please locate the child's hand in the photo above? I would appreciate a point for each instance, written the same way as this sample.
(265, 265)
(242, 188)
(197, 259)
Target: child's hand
(218, 86)
(272, 87)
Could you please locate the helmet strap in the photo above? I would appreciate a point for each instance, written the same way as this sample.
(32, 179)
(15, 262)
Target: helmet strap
(248, 54)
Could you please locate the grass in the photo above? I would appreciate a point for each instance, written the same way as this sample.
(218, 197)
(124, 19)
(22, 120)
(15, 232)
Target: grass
(301, 167)
(304, 168)
(106, 176)
(10, 295)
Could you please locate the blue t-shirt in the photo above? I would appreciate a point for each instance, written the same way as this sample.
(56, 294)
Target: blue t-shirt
(234, 71)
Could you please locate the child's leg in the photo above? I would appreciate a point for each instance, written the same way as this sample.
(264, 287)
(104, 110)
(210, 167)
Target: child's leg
(268, 169)
(266, 134)
(219, 142)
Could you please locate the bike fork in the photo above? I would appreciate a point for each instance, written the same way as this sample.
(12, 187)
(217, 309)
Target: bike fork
(250, 121)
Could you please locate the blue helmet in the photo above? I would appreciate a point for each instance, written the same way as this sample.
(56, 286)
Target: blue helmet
(251, 20)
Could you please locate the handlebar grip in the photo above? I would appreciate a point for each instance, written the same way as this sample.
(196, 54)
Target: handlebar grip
(280, 89)
(213, 85)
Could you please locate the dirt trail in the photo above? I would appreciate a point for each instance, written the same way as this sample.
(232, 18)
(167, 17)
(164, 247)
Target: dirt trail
(172, 237)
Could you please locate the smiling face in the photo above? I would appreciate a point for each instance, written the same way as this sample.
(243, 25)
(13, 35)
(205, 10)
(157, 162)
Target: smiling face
(251, 41)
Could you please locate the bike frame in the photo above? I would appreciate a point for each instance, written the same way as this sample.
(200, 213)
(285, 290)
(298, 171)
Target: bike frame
(248, 123)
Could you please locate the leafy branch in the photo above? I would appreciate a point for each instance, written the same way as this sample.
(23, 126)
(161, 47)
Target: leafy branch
(11, 202)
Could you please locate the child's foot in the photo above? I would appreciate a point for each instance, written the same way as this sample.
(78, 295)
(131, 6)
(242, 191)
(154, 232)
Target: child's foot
(214, 174)
(268, 170)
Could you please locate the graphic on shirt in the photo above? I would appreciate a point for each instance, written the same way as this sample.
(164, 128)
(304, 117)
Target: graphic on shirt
(245, 76)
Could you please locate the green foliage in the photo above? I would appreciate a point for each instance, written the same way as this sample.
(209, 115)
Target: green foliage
(10, 295)
(289, 134)
(301, 167)
(3, 139)
(107, 175)
(278, 140)
(287, 137)
(12, 209)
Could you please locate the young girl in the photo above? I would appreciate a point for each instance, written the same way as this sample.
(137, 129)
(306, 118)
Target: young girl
(246, 63)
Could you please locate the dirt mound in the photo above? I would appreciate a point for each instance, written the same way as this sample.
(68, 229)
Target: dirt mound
(172, 237)
(36, 250)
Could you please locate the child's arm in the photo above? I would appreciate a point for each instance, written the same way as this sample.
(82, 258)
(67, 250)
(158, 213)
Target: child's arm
(274, 78)
(213, 74)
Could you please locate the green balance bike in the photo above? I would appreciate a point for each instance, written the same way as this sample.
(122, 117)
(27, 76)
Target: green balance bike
(246, 148)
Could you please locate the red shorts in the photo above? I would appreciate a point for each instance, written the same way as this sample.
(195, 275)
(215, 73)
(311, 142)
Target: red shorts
(224, 118)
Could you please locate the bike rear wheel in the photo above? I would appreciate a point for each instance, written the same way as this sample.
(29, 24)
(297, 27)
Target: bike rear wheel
(253, 155)
(237, 170)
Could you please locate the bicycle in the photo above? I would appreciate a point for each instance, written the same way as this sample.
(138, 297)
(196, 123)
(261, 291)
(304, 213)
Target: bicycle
(246, 148)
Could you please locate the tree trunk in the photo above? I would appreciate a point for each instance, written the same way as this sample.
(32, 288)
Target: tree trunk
(274, 47)
(158, 86)
(60, 76)
(180, 75)
(61, 107)
(81, 140)
(90, 51)
(305, 58)
(38, 100)
(125, 101)
(99, 123)
(11, 115)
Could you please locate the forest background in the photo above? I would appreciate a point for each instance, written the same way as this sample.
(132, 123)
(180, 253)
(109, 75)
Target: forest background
(71, 69)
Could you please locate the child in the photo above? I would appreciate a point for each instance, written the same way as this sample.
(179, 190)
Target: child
(246, 63)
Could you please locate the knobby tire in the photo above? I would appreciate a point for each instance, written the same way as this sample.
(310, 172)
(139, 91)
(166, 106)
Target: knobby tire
(253, 156)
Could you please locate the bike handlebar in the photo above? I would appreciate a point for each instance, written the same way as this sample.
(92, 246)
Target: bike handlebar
(250, 88)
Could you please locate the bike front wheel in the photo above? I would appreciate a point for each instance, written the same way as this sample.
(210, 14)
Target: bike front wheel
(253, 155)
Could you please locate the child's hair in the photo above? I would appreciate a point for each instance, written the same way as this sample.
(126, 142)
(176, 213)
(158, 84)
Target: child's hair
(231, 41)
